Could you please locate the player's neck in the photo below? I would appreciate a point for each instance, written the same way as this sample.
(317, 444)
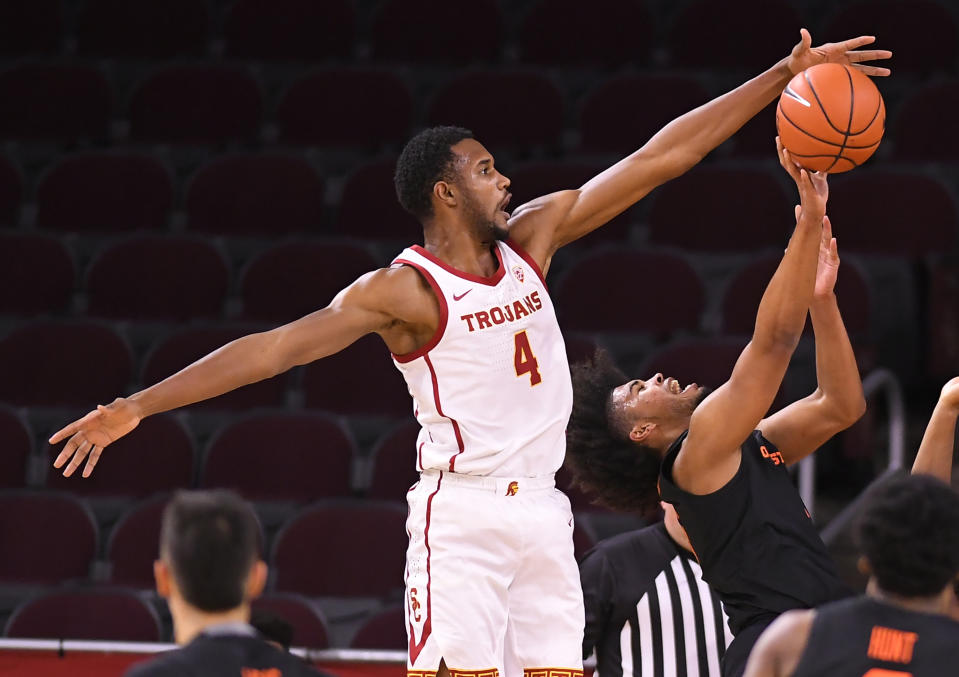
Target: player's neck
(188, 621)
(933, 604)
(458, 246)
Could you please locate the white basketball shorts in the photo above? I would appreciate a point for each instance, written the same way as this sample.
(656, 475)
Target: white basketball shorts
(492, 586)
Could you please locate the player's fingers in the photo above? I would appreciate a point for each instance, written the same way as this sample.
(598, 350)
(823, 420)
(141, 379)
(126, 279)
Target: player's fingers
(95, 452)
(67, 452)
(868, 55)
(872, 71)
(826, 228)
(855, 43)
(64, 432)
(77, 459)
(805, 38)
(834, 249)
(797, 210)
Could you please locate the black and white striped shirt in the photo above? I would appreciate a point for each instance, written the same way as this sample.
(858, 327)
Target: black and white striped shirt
(648, 611)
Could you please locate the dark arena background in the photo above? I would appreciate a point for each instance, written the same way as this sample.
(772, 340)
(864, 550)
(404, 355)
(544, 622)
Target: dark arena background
(177, 173)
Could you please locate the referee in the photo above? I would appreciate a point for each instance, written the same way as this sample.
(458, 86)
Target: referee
(648, 611)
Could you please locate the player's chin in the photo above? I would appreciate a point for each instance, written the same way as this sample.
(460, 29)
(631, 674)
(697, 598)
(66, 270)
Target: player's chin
(500, 230)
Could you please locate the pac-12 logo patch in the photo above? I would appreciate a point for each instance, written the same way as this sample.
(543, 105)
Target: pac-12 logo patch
(518, 273)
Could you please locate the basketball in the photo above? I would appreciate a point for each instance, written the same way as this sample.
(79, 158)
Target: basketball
(831, 118)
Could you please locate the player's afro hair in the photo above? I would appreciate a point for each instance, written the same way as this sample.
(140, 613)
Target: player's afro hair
(426, 158)
(909, 532)
(603, 460)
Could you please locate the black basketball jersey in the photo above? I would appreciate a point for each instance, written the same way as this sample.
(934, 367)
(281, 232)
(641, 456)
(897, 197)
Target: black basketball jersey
(224, 656)
(754, 538)
(864, 636)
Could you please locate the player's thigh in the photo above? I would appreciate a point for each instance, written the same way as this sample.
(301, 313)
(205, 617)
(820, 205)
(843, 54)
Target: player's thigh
(546, 614)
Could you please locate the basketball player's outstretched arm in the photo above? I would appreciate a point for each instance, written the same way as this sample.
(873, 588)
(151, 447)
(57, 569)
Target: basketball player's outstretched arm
(838, 401)
(711, 452)
(935, 452)
(779, 648)
(376, 302)
(547, 223)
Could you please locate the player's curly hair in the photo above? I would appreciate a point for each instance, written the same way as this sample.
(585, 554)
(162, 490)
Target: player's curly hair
(601, 457)
(909, 532)
(426, 159)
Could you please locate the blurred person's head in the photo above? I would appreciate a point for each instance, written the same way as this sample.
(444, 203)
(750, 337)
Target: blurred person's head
(209, 568)
(908, 533)
(274, 629)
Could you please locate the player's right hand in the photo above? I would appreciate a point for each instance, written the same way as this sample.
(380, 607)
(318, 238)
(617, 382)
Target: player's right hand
(90, 434)
(813, 186)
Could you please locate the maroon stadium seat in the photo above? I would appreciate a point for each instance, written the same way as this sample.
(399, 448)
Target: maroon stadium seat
(342, 548)
(419, 30)
(11, 192)
(156, 457)
(153, 277)
(942, 346)
(297, 278)
(45, 538)
(255, 194)
(104, 614)
(15, 450)
(359, 380)
(924, 126)
(146, 28)
(745, 290)
(702, 211)
(184, 347)
(502, 108)
(757, 138)
(196, 105)
(893, 212)
(576, 33)
(30, 26)
(105, 192)
(603, 291)
(135, 544)
(293, 457)
(369, 208)
(535, 179)
(54, 363)
(303, 30)
(373, 107)
(747, 34)
(394, 463)
(922, 34)
(309, 624)
(57, 102)
(386, 629)
(579, 347)
(36, 274)
(623, 113)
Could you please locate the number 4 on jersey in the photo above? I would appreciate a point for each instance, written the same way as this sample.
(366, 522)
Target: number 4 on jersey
(524, 360)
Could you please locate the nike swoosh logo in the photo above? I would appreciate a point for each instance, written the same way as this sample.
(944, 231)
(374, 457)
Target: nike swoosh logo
(457, 298)
(791, 93)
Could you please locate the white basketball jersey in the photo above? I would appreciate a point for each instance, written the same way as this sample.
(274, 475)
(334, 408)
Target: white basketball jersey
(491, 389)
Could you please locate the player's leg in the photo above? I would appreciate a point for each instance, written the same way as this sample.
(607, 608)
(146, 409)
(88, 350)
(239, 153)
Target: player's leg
(546, 617)
(457, 573)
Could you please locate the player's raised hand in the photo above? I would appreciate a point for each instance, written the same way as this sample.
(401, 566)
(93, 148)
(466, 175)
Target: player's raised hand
(846, 52)
(90, 434)
(828, 267)
(949, 396)
(813, 187)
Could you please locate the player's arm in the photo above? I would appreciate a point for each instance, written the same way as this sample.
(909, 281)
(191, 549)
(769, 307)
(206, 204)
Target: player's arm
(547, 223)
(935, 451)
(838, 402)
(710, 454)
(779, 648)
(366, 306)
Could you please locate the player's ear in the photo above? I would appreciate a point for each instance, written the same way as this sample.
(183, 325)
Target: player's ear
(443, 192)
(161, 572)
(257, 580)
(641, 431)
(862, 564)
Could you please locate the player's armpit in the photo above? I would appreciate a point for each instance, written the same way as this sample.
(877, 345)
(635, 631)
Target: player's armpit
(779, 648)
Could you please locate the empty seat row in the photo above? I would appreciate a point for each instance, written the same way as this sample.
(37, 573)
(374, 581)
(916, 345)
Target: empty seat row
(561, 32)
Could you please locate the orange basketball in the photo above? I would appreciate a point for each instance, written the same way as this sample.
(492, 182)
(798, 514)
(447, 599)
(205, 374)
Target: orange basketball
(831, 118)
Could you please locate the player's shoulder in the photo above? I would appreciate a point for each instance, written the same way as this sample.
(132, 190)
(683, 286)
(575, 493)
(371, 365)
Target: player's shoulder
(166, 664)
(390, 288)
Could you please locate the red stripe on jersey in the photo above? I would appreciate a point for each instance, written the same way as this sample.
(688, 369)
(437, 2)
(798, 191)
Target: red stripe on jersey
(514, 245)
(491, 281)
(419, 455)
(439, 410)
(444, 314)
(415, 648)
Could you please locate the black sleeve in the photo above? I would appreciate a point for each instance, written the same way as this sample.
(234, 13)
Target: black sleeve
(598, 587)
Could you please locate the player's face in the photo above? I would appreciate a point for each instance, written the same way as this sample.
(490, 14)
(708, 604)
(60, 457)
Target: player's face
(658, 398)
(486, 195)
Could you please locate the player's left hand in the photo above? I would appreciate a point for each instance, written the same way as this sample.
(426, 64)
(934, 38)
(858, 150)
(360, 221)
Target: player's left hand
(828, 261)
(846, 52)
